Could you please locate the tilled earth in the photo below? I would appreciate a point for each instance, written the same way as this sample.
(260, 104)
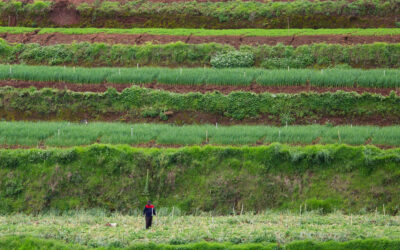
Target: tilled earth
(58, 38)
(178, 88)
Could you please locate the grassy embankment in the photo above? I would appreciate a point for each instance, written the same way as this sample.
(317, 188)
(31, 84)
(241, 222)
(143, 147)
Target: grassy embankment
(217, 179)
(140, 104)
(377, 55)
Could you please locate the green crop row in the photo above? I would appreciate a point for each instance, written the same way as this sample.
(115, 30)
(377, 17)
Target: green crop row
(18, 242)
(67, 134)
(230, 13)
(181, 54)
(386, 78)
(136, 103)
(207, 32)
(198, 178)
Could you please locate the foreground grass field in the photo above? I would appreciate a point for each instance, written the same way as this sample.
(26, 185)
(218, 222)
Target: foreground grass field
(208, 32)
(90, 228)
(75, 134)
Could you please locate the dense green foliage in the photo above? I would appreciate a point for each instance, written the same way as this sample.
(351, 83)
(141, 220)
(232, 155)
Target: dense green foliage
(67, 134)
(226, 11)
(181, 54)
(207, 32)
(234, 14)
(200, 178)
(135, 102)
(335, 77)
(35, 243)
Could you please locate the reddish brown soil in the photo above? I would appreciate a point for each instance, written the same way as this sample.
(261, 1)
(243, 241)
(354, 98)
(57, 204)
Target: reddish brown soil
(153, 144)
(62, 15)
(172, 1)
(195, 88)
(57, 38)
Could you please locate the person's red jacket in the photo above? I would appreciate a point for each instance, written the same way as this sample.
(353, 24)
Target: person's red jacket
(149, 210)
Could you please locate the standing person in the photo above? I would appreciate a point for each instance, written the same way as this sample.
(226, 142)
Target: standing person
(148, 212)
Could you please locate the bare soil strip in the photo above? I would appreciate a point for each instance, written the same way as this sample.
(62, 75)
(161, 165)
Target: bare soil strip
(194, 88)
(153, 144)
(58, 38)
(77, 2)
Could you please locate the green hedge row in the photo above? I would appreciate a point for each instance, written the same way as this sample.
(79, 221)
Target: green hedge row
(133, 103)
(181, 54)
(206, 178)
(29, 242)
(230, 14)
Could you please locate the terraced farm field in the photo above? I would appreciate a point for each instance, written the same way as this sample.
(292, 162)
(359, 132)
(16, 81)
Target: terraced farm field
(249, 124)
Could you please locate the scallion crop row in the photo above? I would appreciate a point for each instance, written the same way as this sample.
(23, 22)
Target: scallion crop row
(73, 134)
(389, 78)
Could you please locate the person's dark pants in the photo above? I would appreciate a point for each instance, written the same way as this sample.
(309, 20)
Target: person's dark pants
(149, 220)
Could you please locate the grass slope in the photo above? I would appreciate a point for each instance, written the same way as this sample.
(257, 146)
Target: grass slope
(216, 179)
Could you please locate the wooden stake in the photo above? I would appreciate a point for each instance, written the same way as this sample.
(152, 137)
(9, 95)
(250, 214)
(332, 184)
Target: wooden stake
(131, 132)
(206, 136)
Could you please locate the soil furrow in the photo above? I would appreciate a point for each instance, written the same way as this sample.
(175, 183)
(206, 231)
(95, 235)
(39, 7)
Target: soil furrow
(236, 41)
(194, 88)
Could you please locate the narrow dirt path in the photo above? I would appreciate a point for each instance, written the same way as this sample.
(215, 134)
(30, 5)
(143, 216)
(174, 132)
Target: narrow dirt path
(58, 38)
(194, 88)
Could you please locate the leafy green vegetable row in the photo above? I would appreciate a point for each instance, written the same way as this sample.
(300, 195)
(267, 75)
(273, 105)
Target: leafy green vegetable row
(138, 103)
(379, 55)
